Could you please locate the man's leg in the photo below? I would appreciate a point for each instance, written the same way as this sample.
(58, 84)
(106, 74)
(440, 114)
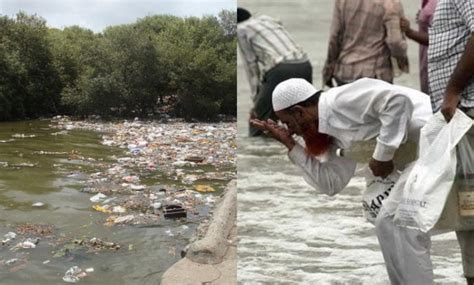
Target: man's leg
(406, 252)
(466, 243)
(385, 230)
(466, 238)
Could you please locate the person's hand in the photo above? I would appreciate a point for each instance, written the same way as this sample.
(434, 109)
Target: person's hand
(381, 168)
(450, 103)
(272, 129)
(404, 25)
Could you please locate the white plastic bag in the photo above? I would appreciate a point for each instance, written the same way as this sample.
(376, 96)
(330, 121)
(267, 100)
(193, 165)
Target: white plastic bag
(391, 203)
(376, 191)
(458, 213)
(431, 179)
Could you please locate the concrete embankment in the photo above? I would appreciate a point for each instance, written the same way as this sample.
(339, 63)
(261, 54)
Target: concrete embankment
(213, 259)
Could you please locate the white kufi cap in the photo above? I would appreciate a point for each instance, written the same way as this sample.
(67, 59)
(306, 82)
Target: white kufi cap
(291, 92)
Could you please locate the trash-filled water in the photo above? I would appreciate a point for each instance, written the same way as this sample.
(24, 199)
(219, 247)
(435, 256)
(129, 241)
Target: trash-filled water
(288, 232)
(86, 202)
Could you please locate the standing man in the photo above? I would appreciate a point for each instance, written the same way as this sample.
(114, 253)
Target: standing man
(270, 57)
(365, 35)
(450, 70)
(451, 77)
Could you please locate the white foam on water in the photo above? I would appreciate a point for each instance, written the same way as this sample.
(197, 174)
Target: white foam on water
(291, 233)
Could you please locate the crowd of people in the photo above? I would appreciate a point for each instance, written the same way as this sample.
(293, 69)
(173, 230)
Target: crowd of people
(367, 49)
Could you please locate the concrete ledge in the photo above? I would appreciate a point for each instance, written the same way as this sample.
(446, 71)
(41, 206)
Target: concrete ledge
(213, 259)
(211, 249)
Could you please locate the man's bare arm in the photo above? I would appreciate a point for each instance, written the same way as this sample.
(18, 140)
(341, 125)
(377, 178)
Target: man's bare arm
(460, 79)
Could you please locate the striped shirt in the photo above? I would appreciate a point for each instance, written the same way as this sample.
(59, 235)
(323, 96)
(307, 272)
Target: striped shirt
(452, 26)
(264, 43)
(364, 35)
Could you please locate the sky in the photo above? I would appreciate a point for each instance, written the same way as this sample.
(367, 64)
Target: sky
(98, 14)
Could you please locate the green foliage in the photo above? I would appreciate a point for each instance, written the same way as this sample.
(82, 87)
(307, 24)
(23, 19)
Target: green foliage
(187, 64)
(30, 85)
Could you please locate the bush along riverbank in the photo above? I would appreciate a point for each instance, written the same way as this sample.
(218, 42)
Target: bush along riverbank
(160, 64)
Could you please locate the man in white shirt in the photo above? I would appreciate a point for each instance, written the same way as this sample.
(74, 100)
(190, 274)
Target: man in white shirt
(364, 110)
(367, 109)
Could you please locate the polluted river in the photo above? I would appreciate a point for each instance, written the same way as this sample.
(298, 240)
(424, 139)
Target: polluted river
(288, 232)
(86, 201)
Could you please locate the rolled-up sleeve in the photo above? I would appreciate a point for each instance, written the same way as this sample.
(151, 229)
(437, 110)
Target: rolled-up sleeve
(328, 177)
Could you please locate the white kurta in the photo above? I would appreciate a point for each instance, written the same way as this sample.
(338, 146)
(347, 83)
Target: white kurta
(361, 111)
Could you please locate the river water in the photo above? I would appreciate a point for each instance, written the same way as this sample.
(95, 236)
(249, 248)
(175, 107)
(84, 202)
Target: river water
(37, 164)
(289, 233)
